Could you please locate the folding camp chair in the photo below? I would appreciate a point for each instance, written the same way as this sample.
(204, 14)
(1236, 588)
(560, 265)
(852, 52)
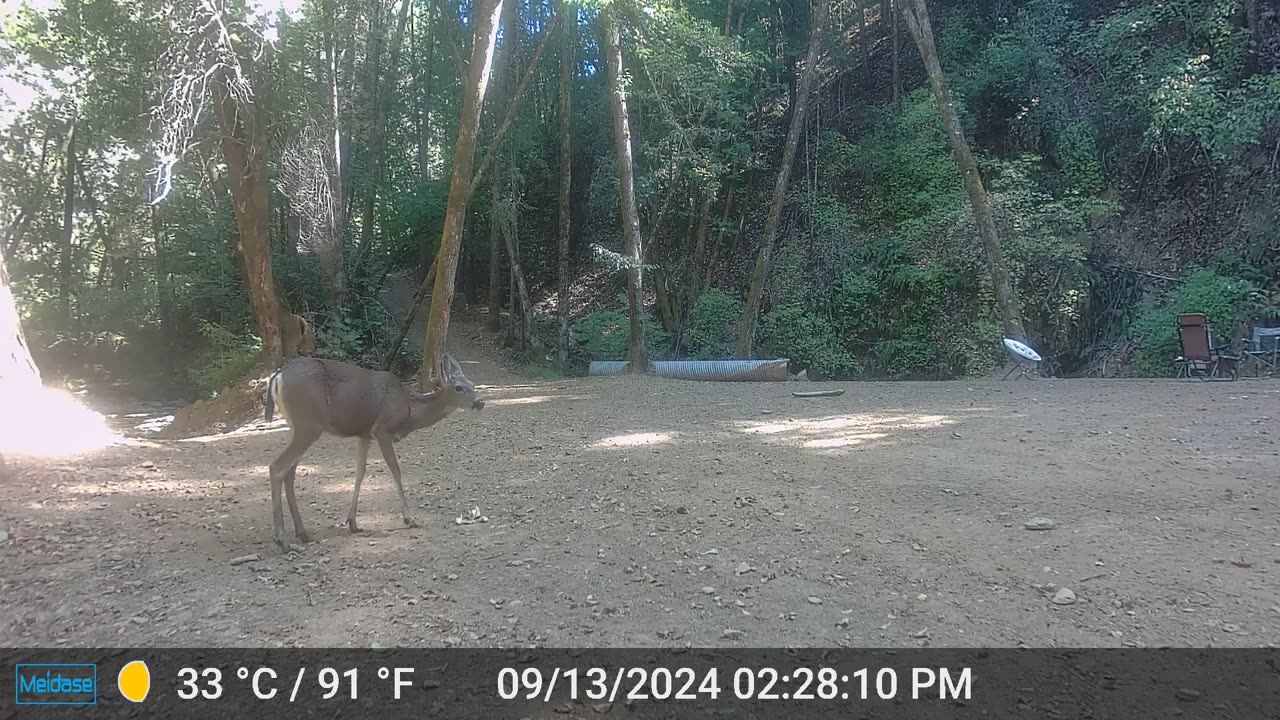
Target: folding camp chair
(1200, 358)
(1264, 350)
(1025, 360)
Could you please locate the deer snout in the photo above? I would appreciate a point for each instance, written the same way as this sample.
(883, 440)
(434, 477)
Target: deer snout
(477, 405)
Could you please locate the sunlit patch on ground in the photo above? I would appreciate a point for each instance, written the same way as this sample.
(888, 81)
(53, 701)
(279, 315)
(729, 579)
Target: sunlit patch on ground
(831, 433)
(43, 422)
(534, 399)
(254, 428)
(635, 439)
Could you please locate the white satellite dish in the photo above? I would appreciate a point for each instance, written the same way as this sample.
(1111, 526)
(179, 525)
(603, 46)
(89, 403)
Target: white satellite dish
(1021, 350)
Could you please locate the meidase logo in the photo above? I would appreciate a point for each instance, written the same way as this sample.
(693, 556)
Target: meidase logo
(55, 684)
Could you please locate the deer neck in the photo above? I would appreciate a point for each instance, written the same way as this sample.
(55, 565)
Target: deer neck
(428, 409)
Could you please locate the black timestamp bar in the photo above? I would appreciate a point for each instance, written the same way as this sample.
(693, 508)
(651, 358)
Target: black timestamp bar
(630, 684)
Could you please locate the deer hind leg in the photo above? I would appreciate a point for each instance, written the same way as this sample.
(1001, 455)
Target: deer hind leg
(303, 535)
(362, 458)
(389, 454)
(284, 467)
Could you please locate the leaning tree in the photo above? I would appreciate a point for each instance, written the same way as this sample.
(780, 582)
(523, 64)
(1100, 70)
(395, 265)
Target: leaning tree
(209, 62)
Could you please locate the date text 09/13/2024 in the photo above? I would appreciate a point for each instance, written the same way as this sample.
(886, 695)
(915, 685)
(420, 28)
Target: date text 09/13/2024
(803, 683)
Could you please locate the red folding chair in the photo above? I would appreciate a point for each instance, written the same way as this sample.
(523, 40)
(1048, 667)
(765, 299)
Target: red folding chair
(1200, 358)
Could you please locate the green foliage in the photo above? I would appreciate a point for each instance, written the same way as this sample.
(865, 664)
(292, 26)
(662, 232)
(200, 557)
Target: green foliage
(711, 332)
(1106, 134)
(809, 340)
(974, 349)
(363, 335)
(913, 183)
(1223, 300)
(341, 339)
(229, 358)
(541, 370)
(606, 335)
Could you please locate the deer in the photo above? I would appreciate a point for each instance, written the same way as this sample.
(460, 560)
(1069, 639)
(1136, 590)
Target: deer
(318, 397)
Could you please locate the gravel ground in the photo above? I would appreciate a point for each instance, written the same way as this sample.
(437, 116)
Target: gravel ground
(650, 512)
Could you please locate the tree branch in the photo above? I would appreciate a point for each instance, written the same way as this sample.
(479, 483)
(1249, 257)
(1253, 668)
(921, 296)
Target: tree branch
(512, 107)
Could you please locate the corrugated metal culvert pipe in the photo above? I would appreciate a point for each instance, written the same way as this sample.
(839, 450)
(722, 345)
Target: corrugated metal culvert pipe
(717, 370)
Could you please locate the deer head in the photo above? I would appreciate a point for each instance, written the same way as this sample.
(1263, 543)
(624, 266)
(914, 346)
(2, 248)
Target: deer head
(457, 388)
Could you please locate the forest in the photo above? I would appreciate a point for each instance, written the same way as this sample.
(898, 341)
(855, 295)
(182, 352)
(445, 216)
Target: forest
(191, 190)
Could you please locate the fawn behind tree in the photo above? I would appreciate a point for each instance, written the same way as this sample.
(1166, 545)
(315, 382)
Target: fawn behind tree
(318, 397)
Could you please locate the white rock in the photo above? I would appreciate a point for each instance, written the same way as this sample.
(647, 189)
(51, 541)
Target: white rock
(1039, 523)
(1064, 596)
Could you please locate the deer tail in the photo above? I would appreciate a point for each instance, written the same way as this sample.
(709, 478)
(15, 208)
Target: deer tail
(273, 387)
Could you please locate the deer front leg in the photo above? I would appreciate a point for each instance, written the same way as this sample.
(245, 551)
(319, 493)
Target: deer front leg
(389, 454)
(284, 466)
(362, 459)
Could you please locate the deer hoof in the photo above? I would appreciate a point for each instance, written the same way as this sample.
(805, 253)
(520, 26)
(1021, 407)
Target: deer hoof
(410, 522)
(280, 543)
(351, 525)
(304, 537)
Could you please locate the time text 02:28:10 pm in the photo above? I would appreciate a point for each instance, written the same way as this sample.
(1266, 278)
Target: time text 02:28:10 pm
(766, 683)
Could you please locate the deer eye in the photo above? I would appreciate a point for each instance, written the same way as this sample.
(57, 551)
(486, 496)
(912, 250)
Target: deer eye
(457, 388)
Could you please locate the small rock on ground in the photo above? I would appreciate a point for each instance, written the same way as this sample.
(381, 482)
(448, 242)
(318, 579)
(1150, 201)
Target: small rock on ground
(1064, 596)
(1039, 523)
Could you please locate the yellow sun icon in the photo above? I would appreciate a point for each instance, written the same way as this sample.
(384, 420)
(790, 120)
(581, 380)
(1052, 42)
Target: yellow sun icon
(134, 681)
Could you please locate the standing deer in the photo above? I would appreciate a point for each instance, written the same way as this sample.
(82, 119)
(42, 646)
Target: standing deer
(326, 396)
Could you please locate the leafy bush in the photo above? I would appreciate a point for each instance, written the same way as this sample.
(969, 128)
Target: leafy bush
(711, 332)
(362, 335)
(810, 340)
(1223, 301)
(340, 339)
(910, 355)
(606, 335)
(974, 348)
(229, 358)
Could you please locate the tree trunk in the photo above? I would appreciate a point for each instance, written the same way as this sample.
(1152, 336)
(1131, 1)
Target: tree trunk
(528, 330)
(424, 97)
(916, 14)
(164, 291)
(504, 57)
(68, 229)
(244, 150)
(1253, 19)
(700, 247)
(894, 36)
(486, 32)
(383, 96)
(709, 272)
(18, 371)
(764, 262)
(345, 200)
(336, 270)
(511, 218)
(513, 105)
(631, 242)
(493, 321)
(567, 64)
(864, 43)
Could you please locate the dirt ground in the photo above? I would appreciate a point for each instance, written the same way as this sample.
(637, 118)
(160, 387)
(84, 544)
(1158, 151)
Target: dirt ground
(651, 512)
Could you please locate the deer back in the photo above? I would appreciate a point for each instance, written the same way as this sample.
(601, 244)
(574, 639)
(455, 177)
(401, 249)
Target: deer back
(339, 398)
